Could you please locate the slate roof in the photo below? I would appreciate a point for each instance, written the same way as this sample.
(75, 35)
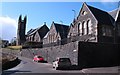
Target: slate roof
(62, 30)
(46, 35)
(30, 31)
(33, 31)
(43, 31)
(102, 16)
(40, 31)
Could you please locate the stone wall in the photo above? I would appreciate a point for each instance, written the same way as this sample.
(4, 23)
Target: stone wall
(69, 50)
(83, 54)
(98, 54)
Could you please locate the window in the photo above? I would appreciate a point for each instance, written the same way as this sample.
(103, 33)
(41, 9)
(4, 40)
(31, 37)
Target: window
(84, 13)
(79, 28)
(89, 27)
(109, 32)
(106, 31)
(83, 28)
(103, 31)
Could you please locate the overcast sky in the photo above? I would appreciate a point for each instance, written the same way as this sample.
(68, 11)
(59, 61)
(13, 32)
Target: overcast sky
(40, 12)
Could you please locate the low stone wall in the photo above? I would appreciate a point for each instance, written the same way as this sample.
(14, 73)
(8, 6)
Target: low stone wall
(51, 53)
(83, 54)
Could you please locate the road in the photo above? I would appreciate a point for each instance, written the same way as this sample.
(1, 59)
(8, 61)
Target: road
(27, 66)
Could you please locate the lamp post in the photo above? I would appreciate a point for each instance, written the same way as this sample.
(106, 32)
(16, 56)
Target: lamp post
(74, 13)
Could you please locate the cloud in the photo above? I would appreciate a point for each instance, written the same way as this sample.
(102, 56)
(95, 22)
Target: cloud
(8, 27)
(8, 21)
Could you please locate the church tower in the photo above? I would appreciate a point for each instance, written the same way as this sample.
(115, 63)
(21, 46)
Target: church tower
(21, 30)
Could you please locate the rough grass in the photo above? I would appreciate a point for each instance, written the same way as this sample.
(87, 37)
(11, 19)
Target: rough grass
(6, 58)
(15, 47)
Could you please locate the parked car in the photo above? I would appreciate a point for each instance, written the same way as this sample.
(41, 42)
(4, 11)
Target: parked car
(38, 58)
(60, 63)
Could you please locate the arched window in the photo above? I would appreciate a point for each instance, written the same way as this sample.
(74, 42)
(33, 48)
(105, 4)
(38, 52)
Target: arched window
(89, 27)
(84, 13)
(78, 28)
(83, 27)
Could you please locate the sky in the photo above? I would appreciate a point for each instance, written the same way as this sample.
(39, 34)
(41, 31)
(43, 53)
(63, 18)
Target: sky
(39, 12)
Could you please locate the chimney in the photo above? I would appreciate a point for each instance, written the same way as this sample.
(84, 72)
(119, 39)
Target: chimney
(44, 23)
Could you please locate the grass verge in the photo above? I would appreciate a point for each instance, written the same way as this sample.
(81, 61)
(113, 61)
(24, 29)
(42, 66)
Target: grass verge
(15, 47)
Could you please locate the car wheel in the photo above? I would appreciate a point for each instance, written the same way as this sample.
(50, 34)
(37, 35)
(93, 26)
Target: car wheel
(34, 60)
(37, 61)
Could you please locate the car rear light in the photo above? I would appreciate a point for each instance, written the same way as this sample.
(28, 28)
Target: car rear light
(41, 59)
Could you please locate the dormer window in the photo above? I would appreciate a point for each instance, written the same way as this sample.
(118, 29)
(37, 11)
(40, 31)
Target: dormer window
(84, 13)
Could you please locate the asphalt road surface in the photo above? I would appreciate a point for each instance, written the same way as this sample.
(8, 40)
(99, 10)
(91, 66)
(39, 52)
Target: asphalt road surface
(28, 66)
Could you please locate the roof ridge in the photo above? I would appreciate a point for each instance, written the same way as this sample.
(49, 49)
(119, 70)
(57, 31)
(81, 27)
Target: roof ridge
(96, 11)
(97, 8)
(113, 10)
(61, 24)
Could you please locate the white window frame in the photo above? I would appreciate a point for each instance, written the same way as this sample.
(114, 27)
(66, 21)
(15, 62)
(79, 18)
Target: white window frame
(83, 27)
(80, 28)
(89, 26)
(84, 13)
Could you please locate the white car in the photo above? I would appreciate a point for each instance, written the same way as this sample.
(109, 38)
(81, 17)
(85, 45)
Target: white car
(61, 63)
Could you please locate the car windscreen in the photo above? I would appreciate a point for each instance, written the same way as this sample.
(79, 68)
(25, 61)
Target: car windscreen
(64, 60)
(39, 57)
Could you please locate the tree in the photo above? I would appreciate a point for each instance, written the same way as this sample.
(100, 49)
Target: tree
(13, 41)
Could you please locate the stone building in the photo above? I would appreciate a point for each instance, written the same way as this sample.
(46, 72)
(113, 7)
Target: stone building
(116, 16)
(36, 35)
(57, 32)
(96, 33)
(93, 25)
(21, 30)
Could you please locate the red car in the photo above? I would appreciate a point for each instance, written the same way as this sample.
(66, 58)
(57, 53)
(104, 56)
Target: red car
(38, 58)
